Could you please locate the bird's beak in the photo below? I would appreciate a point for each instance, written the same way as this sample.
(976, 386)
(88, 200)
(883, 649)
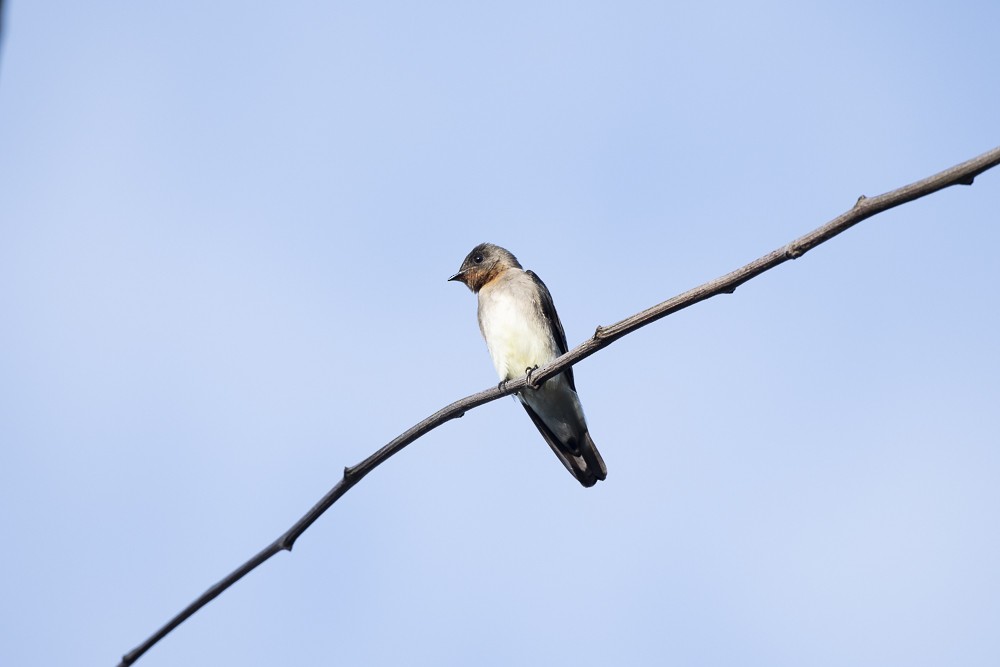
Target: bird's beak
(460, 277)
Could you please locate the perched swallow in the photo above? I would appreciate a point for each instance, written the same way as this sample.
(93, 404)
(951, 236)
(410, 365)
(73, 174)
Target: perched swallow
(523, 331)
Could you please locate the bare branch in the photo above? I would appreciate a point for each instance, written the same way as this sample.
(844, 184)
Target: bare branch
(962, 174)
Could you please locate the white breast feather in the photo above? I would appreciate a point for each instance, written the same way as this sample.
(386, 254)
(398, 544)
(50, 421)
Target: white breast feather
(517, 337)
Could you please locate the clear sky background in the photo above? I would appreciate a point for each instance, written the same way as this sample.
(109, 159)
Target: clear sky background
(225, 230)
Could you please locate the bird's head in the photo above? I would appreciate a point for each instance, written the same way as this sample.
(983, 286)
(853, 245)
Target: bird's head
(483, 264)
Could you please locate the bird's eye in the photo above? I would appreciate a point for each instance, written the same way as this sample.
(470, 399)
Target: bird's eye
(478, 259)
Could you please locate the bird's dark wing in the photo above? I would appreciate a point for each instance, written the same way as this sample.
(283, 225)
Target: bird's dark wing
(548, 309)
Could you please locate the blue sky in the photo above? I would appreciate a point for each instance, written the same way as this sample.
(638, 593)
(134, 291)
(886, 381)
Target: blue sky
(226, 232)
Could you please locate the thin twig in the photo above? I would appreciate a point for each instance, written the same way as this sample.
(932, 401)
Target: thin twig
(962, 174)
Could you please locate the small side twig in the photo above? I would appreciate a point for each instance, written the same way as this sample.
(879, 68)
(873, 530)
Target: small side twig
(865, 207)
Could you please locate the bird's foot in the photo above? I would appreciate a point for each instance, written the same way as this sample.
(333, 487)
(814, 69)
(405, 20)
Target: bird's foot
(502, 385)
(528, 371)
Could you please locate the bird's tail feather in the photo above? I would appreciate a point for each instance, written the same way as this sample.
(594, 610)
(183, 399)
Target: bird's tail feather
(581, 458)
(595, 469)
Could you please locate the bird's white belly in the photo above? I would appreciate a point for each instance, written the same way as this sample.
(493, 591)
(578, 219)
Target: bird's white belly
(516, 336)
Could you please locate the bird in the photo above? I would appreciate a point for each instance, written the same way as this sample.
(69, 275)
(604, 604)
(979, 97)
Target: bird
(522, 330)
